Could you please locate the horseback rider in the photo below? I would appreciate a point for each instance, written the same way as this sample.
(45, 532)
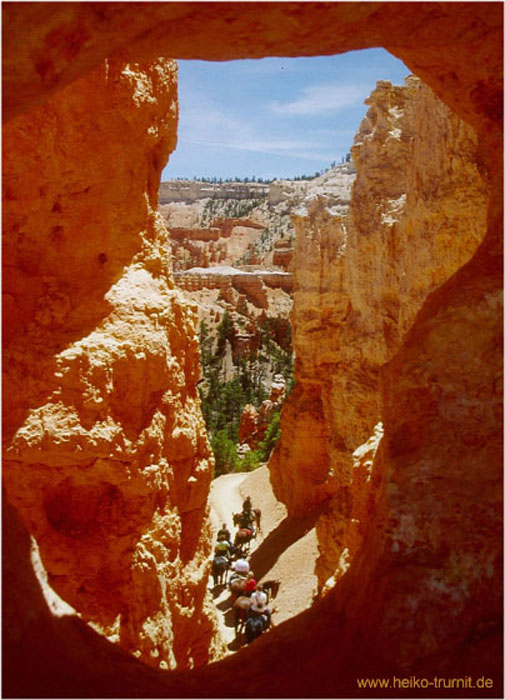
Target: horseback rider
(224, 548)
(224, 533)
(250, 584)
(246, 521)
(247, 505)
(259, 606)
(240, 569)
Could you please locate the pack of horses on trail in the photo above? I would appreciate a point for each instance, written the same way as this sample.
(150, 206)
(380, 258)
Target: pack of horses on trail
(249, 599)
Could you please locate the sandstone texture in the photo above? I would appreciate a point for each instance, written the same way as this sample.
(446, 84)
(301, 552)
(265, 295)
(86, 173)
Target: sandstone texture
(252, 284)
(106, 456)
(240, 224)
(361, 279)
(427, 569)
(417, 214)
(254, 422)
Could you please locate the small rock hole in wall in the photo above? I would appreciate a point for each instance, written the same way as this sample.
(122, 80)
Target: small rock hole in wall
(102, 258)
(256, 138)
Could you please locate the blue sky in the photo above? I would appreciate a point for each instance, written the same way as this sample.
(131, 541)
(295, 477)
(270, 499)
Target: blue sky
(273, 117)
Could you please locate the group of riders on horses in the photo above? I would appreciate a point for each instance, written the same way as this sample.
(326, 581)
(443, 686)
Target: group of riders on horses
(250, 604)
(246, 531)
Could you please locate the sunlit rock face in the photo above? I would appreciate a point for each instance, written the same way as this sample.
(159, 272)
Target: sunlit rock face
(417, 214)
(399, 418)
(452, 351)
(106, 455)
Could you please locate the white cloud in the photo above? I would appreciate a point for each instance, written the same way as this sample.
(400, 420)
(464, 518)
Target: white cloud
(293, 149)
(212, 127)
(319, 99)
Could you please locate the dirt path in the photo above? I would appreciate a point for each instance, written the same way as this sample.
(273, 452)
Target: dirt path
(285, 549)
(225, 499)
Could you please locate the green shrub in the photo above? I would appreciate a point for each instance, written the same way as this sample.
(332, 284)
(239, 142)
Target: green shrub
(249, 462)
(225, 453)
(272, 435)
(223, 401)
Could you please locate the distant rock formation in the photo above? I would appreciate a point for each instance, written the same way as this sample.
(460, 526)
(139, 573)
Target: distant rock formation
(283, 254)
(249, 283)
(190, 191)
(254, 422)
(234, 253)
(239, 224)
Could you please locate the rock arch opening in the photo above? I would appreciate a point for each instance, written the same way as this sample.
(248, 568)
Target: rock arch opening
(231, 233)
(440, 381)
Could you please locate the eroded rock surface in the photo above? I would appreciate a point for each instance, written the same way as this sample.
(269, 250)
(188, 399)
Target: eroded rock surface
(457, 49)
(357, 438)
(417, 214)
(240, 224)
(254, 422)
(106, 455)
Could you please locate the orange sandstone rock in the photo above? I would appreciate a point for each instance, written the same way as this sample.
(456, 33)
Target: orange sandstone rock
(248, 424)
(457, 48)
(106, 455)
(283, 254)
(225, 242)
(359, 284)
(254, 422)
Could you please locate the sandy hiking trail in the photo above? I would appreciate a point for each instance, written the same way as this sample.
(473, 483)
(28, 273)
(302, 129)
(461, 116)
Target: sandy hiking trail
(285, 549)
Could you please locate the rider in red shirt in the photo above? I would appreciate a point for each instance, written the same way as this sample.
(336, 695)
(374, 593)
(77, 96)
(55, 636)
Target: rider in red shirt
(250, 584)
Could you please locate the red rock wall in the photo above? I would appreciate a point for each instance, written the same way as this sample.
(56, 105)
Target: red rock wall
(105, 451)
(457, 49)
(283, 255)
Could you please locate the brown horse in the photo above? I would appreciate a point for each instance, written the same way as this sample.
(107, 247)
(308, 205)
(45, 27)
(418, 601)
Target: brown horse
(242, 541)
(236, 587)
(257, 518)
(240, 611)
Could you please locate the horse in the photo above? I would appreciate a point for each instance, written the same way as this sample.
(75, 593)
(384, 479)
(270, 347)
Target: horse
(237, 587)
(257, 518)
(220, 566)
(254, 627)
(271, 587)
(241, 608)
(242, 541)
